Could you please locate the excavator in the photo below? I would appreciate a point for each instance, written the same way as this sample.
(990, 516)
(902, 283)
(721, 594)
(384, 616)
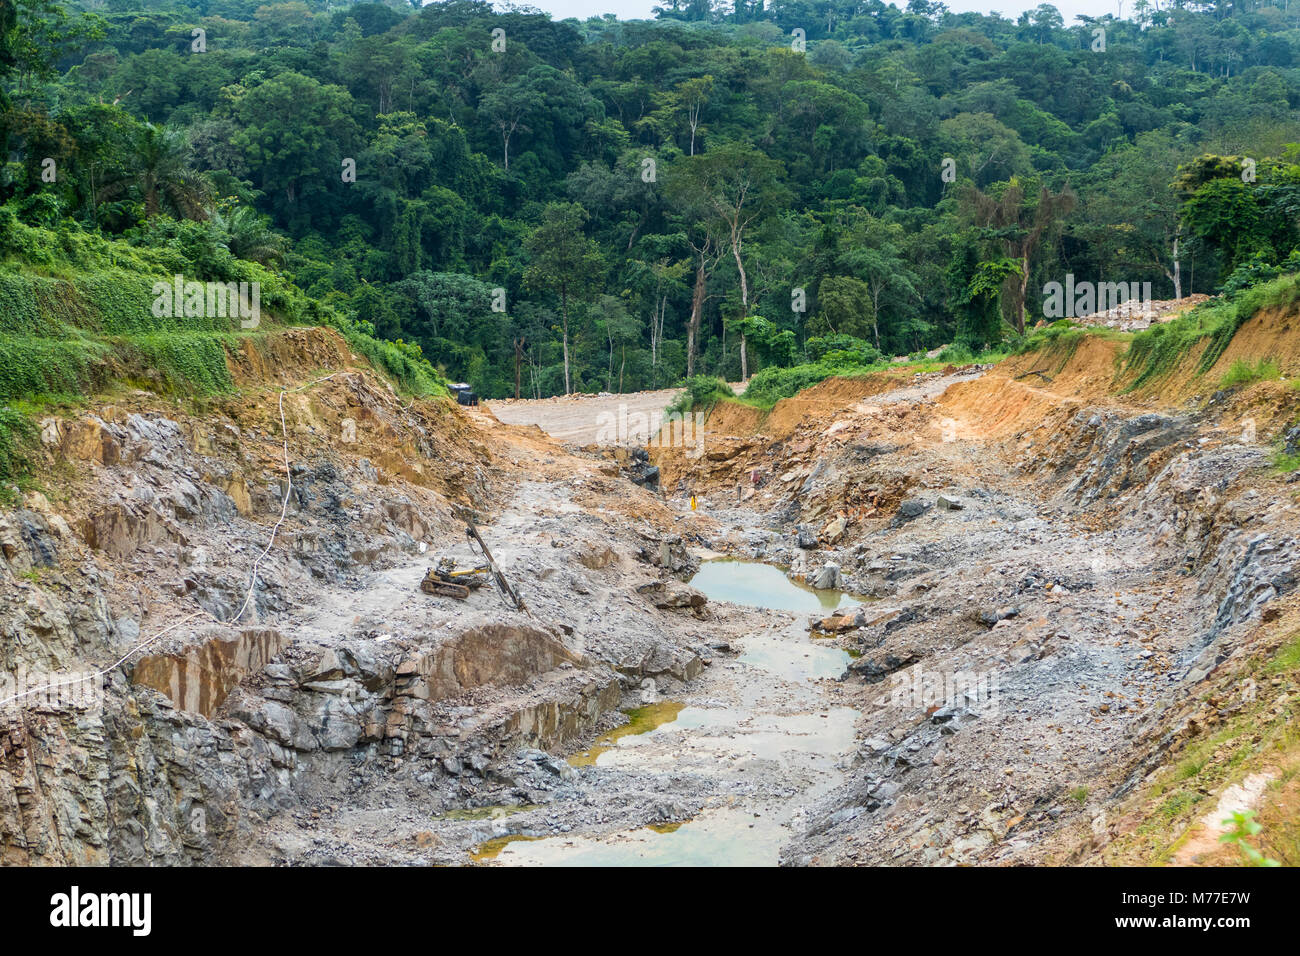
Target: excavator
(446, 580)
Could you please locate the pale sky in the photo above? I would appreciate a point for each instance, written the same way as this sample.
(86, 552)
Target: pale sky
(641, 9)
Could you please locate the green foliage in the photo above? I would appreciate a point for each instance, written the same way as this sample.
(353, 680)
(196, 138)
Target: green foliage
(73, 334)
(178, 363)
(295, 133)
(701, 393)
(1283, 292)
(1287, 657)
(770, 385)
(32, 366)
(975, 293)
(846, 306)
(1179, 803)
(1060, 338)
(1242, 372)
(1245, 209)
(1242, 823)
(1156, 351)
(846, 349)
(774, 345)
(565, 263)
(1226, 212)
(956, 354)
(402, 361)
(524, 171)
(17, 437)
(1255, 271)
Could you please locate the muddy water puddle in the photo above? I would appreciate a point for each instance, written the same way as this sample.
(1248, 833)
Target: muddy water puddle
(757, 741)
(642, 720)
(795, 660)
(722, 838)
(733, 735)
(723, 741)
(766, 586)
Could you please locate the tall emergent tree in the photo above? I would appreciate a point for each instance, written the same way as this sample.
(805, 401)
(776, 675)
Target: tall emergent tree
(563, 260)
(732, 187)
(1021, 223)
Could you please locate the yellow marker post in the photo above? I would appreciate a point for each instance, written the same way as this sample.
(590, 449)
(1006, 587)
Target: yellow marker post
(692, 502)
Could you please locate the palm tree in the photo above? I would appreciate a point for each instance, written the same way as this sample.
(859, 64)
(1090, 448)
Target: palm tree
(247, 234)
(165, 176)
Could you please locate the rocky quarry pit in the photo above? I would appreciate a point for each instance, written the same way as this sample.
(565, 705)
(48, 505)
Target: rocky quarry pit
(1056, 592)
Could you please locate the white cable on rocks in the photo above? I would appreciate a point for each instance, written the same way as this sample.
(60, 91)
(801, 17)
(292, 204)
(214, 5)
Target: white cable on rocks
(252, 582)
(99, 673)
(284, 505)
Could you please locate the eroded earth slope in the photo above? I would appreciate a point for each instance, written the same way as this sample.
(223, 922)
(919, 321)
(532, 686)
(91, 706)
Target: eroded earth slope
(1067, 588)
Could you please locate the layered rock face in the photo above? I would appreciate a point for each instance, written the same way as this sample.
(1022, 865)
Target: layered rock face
(236, 688)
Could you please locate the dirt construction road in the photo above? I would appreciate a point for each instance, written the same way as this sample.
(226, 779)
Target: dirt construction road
(579, 418)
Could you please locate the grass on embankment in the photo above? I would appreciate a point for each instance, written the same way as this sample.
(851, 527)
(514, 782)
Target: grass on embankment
(1147, 357)
(1242, 372)
(17, 436)
(1161, 349)
(72, 336)
(77, 320)
(1063, 337)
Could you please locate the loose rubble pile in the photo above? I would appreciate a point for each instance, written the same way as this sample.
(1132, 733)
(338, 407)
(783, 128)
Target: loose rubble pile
(1044, 590)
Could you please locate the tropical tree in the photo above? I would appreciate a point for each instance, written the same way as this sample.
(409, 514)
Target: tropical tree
(1020, 221)
(508, 108)
(844, 307)
(687, 100)
(976, 288)
(159, 170)
(248, 234)
(877, 252)
(297, 134)
(1130, 212)
(166, 174)
(564, 261)
(732, 187)
(621, 329)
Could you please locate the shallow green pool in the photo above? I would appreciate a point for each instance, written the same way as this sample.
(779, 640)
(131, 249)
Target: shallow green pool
(764, 585)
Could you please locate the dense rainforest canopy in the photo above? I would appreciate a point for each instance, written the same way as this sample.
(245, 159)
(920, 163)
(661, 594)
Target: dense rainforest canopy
(613, 205)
